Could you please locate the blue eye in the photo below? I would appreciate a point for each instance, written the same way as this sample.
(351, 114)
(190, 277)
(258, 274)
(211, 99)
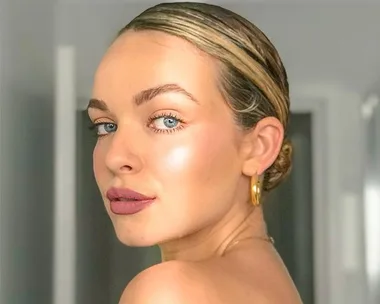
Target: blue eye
(105, 128)
(166, 122)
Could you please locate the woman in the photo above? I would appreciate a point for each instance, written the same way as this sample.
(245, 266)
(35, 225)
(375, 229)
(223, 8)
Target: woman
(191, 104)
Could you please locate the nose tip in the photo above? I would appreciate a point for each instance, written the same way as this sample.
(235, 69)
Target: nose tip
(122, 162)
(121, 157)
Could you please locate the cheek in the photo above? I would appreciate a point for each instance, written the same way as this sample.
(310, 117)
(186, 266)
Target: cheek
(192, 163)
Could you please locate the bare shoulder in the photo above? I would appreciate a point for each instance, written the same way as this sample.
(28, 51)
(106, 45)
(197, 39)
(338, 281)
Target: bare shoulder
(215, 282)
(169, 282)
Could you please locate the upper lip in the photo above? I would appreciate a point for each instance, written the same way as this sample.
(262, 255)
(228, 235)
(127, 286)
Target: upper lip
(119, 194)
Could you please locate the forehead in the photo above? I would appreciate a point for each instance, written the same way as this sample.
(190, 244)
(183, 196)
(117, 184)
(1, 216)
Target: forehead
(138, 60)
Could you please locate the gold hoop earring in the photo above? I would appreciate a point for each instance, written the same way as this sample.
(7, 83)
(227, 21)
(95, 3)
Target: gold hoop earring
(255, 192)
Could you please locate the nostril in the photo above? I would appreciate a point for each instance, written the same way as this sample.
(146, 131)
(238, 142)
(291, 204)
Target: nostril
(126, 168)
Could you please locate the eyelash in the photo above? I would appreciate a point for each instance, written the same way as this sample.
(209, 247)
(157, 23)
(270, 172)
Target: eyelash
(93, 126)
(166, 115)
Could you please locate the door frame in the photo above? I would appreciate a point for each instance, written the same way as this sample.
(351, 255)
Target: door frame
(338, 215)
(317, 108)
(65, 126)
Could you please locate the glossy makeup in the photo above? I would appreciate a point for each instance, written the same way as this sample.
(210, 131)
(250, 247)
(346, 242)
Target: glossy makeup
(165, 131)
(124, 201)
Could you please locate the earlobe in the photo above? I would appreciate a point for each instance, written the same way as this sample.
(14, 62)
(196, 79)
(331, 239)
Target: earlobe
(262, 144)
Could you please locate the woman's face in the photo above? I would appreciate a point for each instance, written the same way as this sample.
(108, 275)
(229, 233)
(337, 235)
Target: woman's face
(165, 132)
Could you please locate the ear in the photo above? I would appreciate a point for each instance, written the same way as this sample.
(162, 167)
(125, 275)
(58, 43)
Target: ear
(261, 146)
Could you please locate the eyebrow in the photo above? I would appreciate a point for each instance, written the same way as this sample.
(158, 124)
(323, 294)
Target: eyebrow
(97, 104)
(145, 96)
(148, 94)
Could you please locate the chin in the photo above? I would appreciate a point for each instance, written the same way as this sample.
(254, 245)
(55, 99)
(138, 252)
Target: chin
(133, 237)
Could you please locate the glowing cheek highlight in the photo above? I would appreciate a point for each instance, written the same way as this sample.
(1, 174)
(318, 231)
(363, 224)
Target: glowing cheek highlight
(178, 158)
(193, 156)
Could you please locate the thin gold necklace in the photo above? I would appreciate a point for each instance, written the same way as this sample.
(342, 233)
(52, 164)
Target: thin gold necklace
(268, 239)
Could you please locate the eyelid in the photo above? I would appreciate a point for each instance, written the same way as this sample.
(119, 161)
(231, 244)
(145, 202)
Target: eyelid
(103, 119)
(98, 112)
(165, 113)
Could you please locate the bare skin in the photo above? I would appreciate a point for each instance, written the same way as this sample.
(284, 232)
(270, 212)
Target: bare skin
(185, 149)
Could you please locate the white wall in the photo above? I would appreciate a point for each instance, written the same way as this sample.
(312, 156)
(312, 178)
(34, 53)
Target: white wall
(3, 148)
(27, 33)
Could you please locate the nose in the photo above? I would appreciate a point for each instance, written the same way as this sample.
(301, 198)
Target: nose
(122, 156)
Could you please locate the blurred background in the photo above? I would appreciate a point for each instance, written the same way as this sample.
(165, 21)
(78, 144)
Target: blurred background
(56, 242)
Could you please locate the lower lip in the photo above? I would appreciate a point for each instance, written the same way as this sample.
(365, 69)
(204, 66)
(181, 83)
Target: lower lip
(129, 207)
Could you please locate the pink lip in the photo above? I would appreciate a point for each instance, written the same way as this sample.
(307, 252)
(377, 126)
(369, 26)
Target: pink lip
(126, 201)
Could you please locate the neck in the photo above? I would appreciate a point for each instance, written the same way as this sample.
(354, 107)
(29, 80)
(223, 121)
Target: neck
(214, 240)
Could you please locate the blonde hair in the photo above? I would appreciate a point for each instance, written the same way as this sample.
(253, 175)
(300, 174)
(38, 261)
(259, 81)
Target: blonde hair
(253, 79)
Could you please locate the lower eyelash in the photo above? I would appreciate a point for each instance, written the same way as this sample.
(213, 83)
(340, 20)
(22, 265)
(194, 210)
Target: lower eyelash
(169, 130)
